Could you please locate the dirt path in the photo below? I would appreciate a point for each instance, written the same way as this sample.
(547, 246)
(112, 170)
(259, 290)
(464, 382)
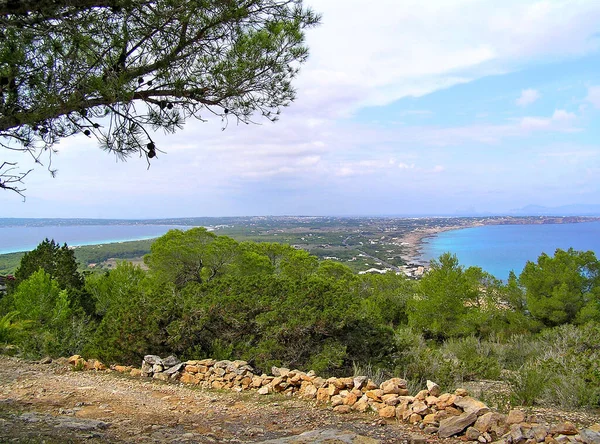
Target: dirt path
(53, 404)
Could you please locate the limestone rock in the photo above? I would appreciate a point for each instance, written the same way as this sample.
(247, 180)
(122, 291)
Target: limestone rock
(135, 372)
(342, 409)
(589, 436)
(516, 434)
(324, 436)
(170, 361)
(153, 359)
(387, 412)
(492, 422)
(174, 369)
(279, 371)
(456, 424)
(360, 381)
(420, 407)
(472, 434)
(264, 390)
(394, 385)
(461, 392)
(515, 417)
(161, 376)
(415, 418)
(434, 389)
(469, 405)
(564, 428)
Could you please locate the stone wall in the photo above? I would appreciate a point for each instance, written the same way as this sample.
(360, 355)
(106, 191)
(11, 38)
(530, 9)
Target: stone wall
(443, 414)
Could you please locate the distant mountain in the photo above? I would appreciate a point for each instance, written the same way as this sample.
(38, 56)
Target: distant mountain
(563, 210)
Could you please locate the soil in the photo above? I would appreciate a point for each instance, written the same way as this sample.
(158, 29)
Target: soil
(51, 403)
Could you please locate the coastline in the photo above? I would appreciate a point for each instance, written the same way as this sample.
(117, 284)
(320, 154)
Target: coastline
(412, 242)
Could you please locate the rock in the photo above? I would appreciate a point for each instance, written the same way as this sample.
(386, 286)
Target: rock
(46, 360)
(420, 407)
(279, 371)
(456, 424)
(431, 400)
(99, 366)
(332, 390)
(472, 434)
(516, 434)
(416, 439)
(461, 392)
(415, 418)
(539, 432)
(515, 417)
(492, 422)
(122, 368)
(161, 376)
(308, 391)
(469, 405)
(564, 428)
(323, 436)
(222, 364)
(375, 395)
(430, 419)
(264, 390)
(174, 369)
(351, 399)
(80, 424)
(336, 400)
(589, 436)
(153, 359)
(422, 395)
(157, 368)
(146, 368)
(391, 399)
(342, 409)
(387, 412)
(394, 385)
(323, 394)
(431, 430)
(434, 389)
(73, 359)
(361, 406)
(360, 382)
(135, 372)
(170, 361)
(370, 385)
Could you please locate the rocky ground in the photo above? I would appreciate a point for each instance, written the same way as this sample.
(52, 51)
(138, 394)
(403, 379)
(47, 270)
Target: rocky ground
(52, 403)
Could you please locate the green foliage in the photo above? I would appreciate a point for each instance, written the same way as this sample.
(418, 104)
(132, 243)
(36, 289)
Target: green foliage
(447, 297)
(527, 385)
(118, 71)
(60, 264)
(55, 326)
(11, 327)
(558, 288)
(134, 312)
(472, 358)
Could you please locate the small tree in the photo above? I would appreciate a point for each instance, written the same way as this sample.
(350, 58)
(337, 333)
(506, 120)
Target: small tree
(558, 288)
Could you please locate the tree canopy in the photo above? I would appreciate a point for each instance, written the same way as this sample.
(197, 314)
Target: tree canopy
(116, 70)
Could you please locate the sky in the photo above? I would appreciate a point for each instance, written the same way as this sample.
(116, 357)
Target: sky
(438, 107)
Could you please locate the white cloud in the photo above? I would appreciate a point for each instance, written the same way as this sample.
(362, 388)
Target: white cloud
(528, 96)
(594, 96)
(367, 54)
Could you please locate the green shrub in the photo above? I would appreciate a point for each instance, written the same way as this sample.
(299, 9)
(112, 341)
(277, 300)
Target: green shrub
(527, 385)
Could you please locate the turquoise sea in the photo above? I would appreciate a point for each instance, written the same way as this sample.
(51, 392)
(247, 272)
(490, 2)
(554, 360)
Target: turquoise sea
(501, 248)
(25, 238)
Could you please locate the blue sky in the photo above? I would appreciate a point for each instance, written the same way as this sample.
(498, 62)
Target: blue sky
(437, 107)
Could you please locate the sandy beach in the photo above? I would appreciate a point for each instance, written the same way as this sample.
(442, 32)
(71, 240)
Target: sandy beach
(412, 242)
